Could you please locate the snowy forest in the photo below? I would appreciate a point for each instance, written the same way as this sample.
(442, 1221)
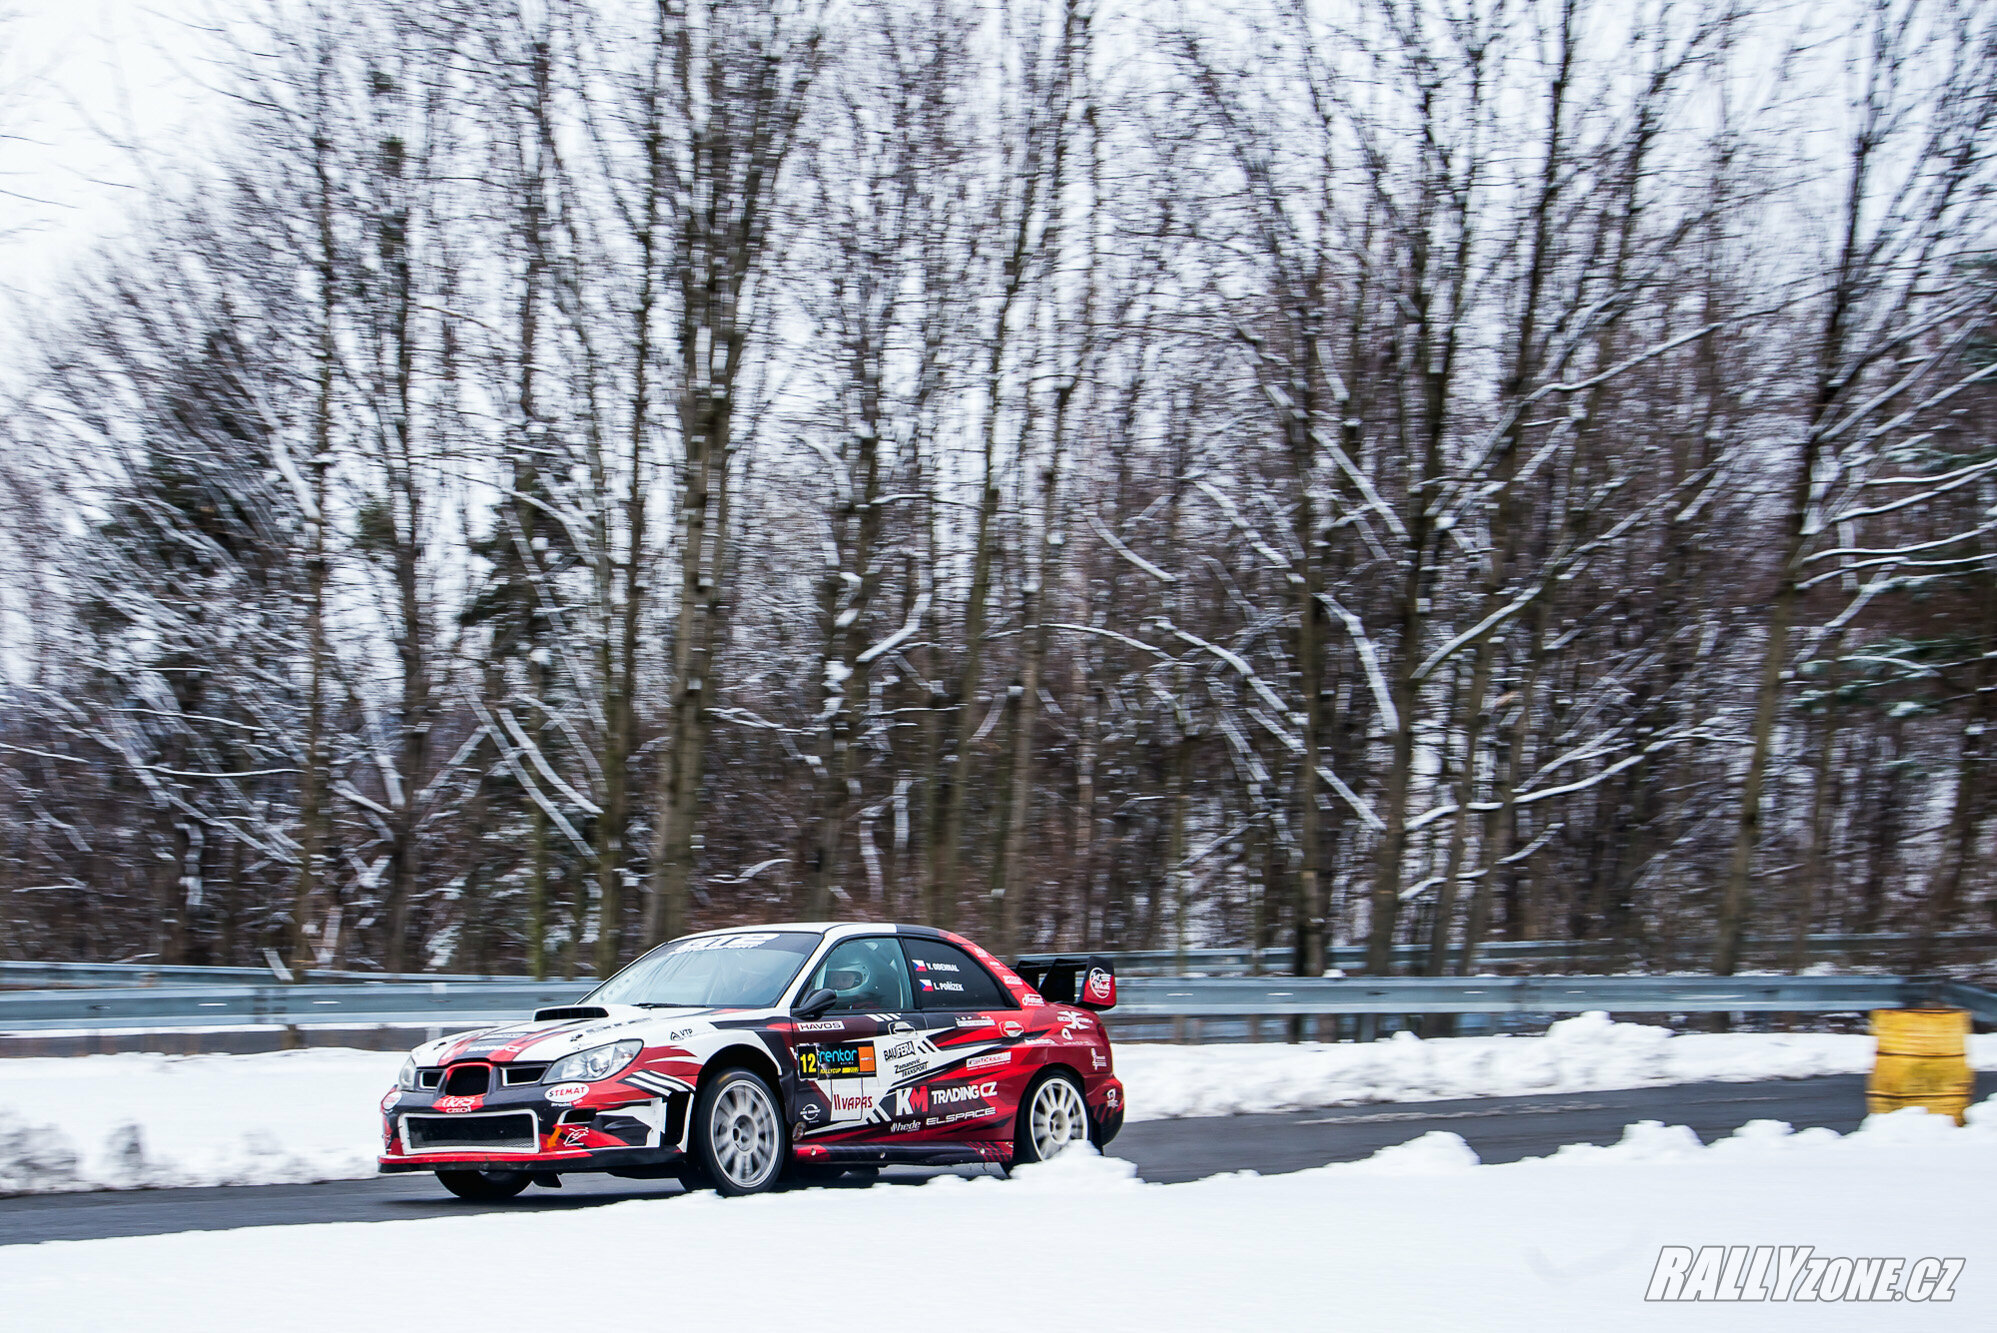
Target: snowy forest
(1088, 473)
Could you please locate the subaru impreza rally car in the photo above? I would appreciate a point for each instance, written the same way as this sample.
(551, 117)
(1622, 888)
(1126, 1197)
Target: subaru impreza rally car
(732, 1057)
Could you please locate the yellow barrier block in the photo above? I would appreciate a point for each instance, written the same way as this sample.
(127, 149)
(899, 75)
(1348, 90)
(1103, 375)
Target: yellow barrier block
(1922, 1060)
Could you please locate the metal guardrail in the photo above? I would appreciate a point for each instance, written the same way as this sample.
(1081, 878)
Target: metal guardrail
(1129, 963)
(168, 1007)
(39, 975)
(1498, 952)
(471, 1003)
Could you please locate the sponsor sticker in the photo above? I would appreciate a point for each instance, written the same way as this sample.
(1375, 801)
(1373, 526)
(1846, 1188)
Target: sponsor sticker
(909, 1102)
(564, 1093)
(830, 1025)
(1101, 986)
(707, 942)
(1012, 1029)
(1110, 1098)
(1101, 1060)
(907, 1067)
(452, 1105)
(900, 1052)
(976, 1021)
(853, 1102)
(962, 1092)
(929, 985)
(810, 1113)
(853, 1060)
(391, 1099)
(1031, 1001)
(989, 1061)
(573, 1135)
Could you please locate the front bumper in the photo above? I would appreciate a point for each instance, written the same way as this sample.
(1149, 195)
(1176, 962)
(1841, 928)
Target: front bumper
(612, 1128)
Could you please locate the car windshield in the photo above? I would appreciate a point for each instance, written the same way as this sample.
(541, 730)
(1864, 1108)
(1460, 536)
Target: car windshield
(746, 970)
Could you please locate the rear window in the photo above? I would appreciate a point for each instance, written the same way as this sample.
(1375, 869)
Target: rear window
(946, 977)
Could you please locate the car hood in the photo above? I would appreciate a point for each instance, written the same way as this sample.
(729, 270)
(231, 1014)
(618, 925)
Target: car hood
(553, 1038)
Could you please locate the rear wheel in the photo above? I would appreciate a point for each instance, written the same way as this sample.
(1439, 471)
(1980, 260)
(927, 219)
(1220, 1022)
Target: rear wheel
(1052, 1116)
(484, 1186)
(738, 1137)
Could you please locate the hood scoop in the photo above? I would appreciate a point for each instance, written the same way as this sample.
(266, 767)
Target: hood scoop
(563, 1013)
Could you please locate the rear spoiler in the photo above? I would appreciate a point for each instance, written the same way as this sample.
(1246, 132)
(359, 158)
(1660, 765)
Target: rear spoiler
(1088, 981)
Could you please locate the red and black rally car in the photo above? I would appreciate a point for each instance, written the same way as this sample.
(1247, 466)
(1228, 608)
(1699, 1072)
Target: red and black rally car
(728, 1057)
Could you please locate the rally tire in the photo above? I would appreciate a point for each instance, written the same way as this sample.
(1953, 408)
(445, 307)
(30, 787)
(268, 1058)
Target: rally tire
(1052, 1115)
(484, 1186)
(739, 1146)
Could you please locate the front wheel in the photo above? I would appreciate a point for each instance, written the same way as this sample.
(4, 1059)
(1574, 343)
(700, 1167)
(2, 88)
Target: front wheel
(738, 1138)
(1052, 1117)
(484, 1186)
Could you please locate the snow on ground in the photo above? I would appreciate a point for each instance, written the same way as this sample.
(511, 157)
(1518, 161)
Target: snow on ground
(1584, 1054)
(141, 1121)
(136, 1121)
(1418, 1237)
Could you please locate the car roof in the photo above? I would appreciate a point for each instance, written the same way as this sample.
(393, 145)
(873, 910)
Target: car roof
(829, 927)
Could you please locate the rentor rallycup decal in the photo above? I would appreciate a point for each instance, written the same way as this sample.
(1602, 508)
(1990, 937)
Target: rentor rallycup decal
(617, 1079)
(854, 1061)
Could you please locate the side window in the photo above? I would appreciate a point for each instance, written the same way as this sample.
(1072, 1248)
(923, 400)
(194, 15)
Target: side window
(866, 974)
(948, 978)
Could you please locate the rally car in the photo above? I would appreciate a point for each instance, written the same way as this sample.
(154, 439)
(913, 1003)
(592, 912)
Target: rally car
(733, 1058)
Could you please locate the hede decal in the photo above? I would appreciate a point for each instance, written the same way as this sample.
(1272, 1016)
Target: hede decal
(964, 1092)
(564, 1093)
(988, 1061)
(452, 1105)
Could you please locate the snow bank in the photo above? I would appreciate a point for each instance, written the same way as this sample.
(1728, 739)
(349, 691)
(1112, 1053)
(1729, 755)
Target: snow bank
(149, 1121)
(1419, 1237)
(136, 1121)
(1584, 1054)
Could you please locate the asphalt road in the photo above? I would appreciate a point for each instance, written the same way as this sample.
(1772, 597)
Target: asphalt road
(1501, 1129)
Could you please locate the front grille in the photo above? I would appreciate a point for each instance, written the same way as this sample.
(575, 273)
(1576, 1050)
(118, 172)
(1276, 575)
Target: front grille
(468, 1081)
(512, 1131)
(515, 1075)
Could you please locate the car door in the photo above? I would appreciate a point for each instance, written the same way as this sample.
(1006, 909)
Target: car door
(841, 1075)
(977, 1068)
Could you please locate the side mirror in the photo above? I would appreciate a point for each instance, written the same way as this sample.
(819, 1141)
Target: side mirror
(814, 1003)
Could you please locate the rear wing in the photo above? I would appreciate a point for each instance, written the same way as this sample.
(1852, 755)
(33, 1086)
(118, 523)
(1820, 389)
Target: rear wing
(1088, 981)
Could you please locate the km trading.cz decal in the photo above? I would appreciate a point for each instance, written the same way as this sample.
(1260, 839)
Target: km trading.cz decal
(854, 1060)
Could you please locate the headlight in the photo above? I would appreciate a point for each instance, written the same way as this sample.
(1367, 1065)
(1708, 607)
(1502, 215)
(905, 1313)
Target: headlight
(591, 1065)
(406, 1077)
